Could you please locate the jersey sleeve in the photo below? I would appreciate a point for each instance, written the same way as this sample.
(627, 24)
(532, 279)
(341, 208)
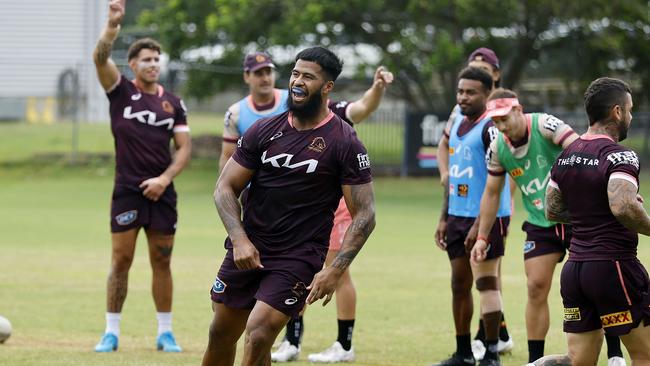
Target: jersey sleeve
(340, 108)
(489, 134)
(180, 118)
(355, 163)
(554, 129)
(118, 90)
(230, 127)
(623, 163)
(248, 153)
(492, 160)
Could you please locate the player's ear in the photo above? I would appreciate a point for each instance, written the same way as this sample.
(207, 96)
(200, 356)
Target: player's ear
(616, 112)
(133, 64)
(329, 85)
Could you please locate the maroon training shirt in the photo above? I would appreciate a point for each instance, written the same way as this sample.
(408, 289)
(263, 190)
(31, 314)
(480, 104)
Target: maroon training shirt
(143, 125)
(298, 176)
(581, 173)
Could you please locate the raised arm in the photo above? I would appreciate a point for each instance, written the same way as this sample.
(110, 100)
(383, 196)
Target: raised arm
(360, 109)
(155, 187)
(360, 200)
(107, 72)
(231, 183)
(627, 206)
(554, 206)
(488, 214)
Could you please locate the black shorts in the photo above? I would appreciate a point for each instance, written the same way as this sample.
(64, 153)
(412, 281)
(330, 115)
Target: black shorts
(545, 240)
(281, 283)
(130, 209)
(458, 227)
(612, 295)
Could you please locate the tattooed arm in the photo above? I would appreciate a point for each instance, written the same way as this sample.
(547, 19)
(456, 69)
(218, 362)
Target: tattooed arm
(107, 72)
(627, 206)
(360, 200)
(231, 183)
(555, 207)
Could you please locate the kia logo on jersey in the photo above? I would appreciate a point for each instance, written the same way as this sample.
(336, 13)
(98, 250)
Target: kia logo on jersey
(147, 117)
(284, 160)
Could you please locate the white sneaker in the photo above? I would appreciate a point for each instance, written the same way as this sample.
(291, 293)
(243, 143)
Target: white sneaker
(616, 361)
(505, 347)
(285, 353)
(478, 349)
(336, 353)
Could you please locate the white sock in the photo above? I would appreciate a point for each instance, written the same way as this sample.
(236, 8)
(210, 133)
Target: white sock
(164, 322)
(113, 323)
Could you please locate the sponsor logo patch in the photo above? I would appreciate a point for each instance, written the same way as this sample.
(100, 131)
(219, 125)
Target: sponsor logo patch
(463, 190)
(451, 151)
(127, 217)
(529, 246)
(364, 161)
(290, 301)
(517, 172)
(572, 314)
(167, 107)
(317, 145)
(614, 319)
(219, 286)
(538, 204)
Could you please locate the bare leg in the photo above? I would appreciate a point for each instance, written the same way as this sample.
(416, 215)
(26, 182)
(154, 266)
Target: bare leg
(227, 326)
(263, 326)
(461, 288)
(585, 347)
(539, 274)
(637, 343)
(160, 253)
(123, 247)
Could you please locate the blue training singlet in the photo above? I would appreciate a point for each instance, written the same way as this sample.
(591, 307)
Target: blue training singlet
(468, 172)
(248, 116)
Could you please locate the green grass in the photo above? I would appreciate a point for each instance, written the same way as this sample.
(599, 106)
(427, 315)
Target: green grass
(54, 258)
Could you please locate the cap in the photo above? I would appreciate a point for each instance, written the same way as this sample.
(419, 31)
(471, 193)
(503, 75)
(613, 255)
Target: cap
(486, 55)
(500, 107)
(257, 60)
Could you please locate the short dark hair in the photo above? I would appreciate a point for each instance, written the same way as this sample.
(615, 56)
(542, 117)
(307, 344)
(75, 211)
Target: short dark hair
(326, 59)
(500, 93)
(475, 73)
(140, 44)
(603, 94)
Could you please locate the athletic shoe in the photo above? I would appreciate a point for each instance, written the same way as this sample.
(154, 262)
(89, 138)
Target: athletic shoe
(457, 360)
(108, 343)
(335, 353)
(478, 349)
(167, 343)
(489, 362)
(616, 361)
(505, 347)
(285, 353)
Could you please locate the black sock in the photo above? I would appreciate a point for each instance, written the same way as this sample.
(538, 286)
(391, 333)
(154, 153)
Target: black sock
(463, 345)
(535, 350)
(480, 335)
(295, 328)
(503, 330)
(613, 346)
(491, 352)
(345, 333)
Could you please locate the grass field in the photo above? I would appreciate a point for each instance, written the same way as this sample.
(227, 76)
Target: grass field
(54, 258)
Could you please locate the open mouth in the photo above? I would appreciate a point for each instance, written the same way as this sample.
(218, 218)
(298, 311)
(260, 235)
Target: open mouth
(298, 94)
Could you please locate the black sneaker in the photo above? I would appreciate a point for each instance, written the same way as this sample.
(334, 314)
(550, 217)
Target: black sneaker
(457, 360)
(489, 362)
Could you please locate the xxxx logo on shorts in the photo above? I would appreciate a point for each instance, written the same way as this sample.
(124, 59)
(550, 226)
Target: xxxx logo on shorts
(127, 217)
(219, 286)
(614, 319)
(572, 314)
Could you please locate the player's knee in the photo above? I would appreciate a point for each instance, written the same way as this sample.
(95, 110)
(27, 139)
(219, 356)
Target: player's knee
(537, 289)
(258, 337)
(220, 336)
(121, 262)
(461, 285)
(487, 283)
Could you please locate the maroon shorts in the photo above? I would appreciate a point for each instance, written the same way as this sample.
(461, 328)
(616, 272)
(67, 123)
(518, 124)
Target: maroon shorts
(458, 227)
(281, 283)
(612, 295)
(545, 240)
(130, 209)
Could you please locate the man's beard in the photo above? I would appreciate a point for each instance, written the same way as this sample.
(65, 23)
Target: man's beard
(622, 131)
(307, 110)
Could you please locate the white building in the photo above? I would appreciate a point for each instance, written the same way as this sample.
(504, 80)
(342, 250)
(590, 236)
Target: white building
(39, 41)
